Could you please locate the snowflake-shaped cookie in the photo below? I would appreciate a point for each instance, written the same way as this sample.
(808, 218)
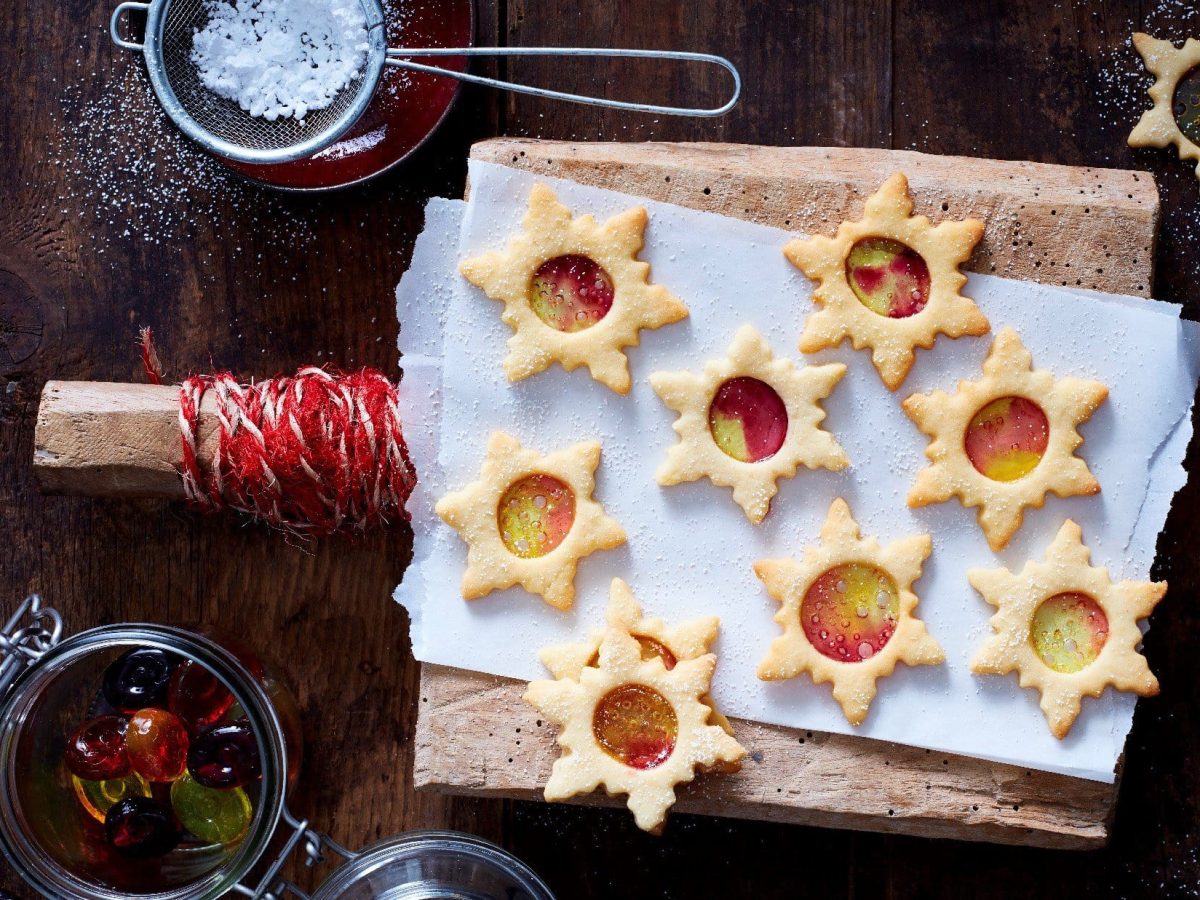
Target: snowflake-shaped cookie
(634, 727)
(529, 519)
(574, 292)
(1175, 116)
(685, 641)
(1066, 628)
(748, 420)
(848, 612)
(889, 281)
(1005, 441)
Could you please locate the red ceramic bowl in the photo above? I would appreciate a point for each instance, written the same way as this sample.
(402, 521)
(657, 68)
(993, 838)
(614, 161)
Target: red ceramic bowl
(407, 108)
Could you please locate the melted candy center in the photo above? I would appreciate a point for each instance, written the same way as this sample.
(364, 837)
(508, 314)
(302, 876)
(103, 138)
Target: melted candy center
(1068, 631)
(652, 649)
(571, 293)
(748, 420)
(850, 612)
(1187, 105)
(534, 515)
(1007, 438)
(636, 725)
(888, 277)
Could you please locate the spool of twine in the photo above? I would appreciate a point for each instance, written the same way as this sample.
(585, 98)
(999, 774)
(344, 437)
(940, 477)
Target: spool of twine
(316, 453)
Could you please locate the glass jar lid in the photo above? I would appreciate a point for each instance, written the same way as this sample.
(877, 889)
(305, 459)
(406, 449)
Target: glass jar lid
(433, 865)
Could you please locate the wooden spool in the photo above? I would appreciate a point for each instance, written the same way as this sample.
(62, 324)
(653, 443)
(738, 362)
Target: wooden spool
(115, 440)
(1059, 225)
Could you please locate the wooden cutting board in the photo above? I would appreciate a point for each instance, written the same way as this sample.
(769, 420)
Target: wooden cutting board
(1074, 227)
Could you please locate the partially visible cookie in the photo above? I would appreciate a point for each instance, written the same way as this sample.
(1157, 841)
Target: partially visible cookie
(889, 281)
(633, 726)
(748, 420)
(1005, 441)
(529, 519)
(848, 612)
(687, 640)
(574, 291)
(1066, 628)
(1175, 116)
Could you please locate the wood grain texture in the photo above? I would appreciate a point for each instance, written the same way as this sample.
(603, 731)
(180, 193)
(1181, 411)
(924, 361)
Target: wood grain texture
(116, 440)
(1067, 213)
(475, 735)
(260, 284)
(1039, 217)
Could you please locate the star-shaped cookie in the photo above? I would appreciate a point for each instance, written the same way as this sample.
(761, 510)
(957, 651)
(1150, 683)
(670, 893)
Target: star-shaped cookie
(574, 291)
(1175, 116)
(529, 519)
(1005, 441)
(847, 610)
(634, 727)
(748, 420)
(1066, 628)
(889, 281)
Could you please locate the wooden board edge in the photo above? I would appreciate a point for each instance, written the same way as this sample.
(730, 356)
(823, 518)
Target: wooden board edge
(1040, 216)
(880, 786)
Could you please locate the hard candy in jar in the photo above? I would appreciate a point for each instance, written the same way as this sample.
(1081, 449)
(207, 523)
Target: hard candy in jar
(139, 679)
(156, 742)
(226, 756)
(197, 696)
(214, 815)
(141, 827)
(96, 751)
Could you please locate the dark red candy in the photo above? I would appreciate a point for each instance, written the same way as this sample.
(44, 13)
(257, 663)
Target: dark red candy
(225, 756)
(141, 827)
(96, 752)
(197, 696)
(139, 679)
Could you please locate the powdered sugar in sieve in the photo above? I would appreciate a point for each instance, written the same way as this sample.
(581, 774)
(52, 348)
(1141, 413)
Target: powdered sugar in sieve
(281, 57)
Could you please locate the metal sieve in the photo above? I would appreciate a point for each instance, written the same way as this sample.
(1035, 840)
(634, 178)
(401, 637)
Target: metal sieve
(222, 127)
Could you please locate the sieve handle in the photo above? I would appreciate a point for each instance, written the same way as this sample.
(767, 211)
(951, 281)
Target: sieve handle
(399, 56)
(114, 24)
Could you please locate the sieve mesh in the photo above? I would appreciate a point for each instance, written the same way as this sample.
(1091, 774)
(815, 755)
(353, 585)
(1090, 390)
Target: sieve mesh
(225, 119)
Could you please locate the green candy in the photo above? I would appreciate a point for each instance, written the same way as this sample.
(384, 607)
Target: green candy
(216, 816)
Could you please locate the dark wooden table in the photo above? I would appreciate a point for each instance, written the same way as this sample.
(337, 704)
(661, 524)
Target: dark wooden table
(94, 242)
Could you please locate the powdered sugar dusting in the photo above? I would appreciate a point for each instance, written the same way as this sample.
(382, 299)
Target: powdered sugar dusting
(281, 57)
(167, 190)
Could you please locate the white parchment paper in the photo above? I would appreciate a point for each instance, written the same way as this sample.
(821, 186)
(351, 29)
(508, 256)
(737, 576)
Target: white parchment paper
(690, 547)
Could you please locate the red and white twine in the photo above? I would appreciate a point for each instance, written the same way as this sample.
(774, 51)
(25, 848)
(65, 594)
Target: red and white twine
(316, 453)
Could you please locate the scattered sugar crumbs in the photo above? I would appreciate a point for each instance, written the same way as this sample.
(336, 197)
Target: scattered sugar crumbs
(123, 163)
(1122, 83)
(123, 166)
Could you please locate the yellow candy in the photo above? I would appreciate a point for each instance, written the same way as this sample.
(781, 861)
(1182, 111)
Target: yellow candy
(97, 797)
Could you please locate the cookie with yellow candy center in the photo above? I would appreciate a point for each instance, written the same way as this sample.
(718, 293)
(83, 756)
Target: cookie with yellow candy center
(848, 612)
(656, 639)
(574, 291)
(889, 282)
(632, 726)
(529, 519)
(1003, 442)
(1066, 628)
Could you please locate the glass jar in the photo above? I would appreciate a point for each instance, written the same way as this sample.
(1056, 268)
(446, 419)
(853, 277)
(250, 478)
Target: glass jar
(50, 828)
(55, 837)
